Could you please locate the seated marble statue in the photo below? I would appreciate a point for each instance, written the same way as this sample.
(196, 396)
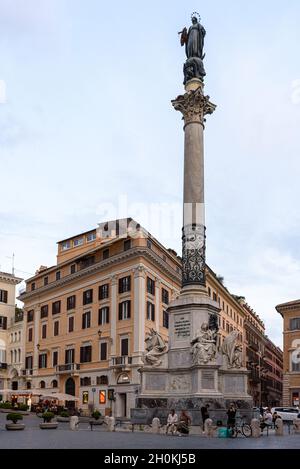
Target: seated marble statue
(204, 345)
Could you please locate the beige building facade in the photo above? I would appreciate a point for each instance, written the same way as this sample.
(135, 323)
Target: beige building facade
(290, 313)
(11, 338)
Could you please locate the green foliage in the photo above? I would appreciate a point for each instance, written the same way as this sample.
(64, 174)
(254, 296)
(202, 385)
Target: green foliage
(64, 414)
(14, 417)
(6, 405)
(48, 416)
(23, 407)
(96, 414)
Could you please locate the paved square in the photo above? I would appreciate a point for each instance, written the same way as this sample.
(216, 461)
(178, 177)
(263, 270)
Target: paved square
(63, 438)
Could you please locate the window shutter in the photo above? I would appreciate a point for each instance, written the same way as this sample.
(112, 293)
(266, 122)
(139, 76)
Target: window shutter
(120, 285)
(153, 313)
(129, 305)
(129, 283)
(5, 296)
(4, 322)
(107, 316)
(120, 311)
(83, 322)
(81, 354)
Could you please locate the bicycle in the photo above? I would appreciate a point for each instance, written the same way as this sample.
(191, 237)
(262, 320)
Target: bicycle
(241, 428)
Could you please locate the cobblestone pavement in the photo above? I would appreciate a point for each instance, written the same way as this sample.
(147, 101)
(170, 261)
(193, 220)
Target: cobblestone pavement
(63, 438)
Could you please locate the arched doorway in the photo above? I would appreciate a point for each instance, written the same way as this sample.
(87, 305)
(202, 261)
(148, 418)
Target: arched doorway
(70, 389)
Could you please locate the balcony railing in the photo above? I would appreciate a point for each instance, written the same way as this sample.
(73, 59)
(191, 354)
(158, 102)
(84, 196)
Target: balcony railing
(28, 372)
(68, 368)
(3, 366)
(121, 361)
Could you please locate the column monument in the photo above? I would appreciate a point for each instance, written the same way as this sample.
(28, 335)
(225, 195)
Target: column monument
(191, 370)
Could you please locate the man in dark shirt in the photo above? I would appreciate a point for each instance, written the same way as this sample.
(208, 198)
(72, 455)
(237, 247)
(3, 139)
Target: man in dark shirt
(204, 413)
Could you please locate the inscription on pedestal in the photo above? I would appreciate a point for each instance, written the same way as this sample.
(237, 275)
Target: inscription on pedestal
(208, 380)
(182, 327)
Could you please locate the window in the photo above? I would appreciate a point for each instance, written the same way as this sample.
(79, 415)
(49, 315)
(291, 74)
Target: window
(33, 286)
(150, 311)
(3, 322)
(295, 324)
(28, 385)
(69, 356)
(73, 269)
(103, 292)
(124, 284)
(150, 286)
(44, 311)
(56, 328)
(66, 245)
(124, 347)
(91, 237)
(103, 352)
(42, 384)
(223, 306)
(166, 319)
(103, 316)
(86, 320)
(71, 324)
(165, 296)
(43, 360)
(30, 334)
(88, 297)
(296, 366)
(87, 262)
(86, 381)
(102, 380)
(56, 306)
(86, 354)
(78, 242)
(123, 378)
(46, 281)
(29, 362)
(54, 383)
(124, 310)
(85, 397)
(102, 397)
(58, 275)
(215, 298)
(55, 360)
(209, 292)
(44, 331)
(127, 244)
(30, 316)
(71, 302)
(105, 254)
(3, 296)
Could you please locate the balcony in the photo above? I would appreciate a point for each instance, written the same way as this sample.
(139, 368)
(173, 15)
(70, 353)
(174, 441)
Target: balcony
(3, 366)
(69, 368)
(27, 373)
(122, 362)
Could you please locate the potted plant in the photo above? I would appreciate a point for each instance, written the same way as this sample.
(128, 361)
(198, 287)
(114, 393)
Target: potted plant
(63, 416)
(14, 417)
(96, 419)
(4, 406)
(47, 423)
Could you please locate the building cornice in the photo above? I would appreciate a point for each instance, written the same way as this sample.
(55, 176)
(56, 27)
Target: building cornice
(103, 265)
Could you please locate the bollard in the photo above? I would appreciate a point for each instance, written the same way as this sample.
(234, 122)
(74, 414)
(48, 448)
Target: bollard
(255, 427)
(279, 427)
(74, 423)
(297, 426)
(209, 428)
(156, 425)
(111, 424)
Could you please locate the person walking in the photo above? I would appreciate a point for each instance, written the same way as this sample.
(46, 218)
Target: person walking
(231, 417)
(172, 422)
(205, 414)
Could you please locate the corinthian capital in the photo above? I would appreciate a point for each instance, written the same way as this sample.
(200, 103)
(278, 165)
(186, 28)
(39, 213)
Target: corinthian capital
(194, 106)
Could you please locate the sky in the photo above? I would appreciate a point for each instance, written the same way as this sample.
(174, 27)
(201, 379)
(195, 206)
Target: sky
(88, 133)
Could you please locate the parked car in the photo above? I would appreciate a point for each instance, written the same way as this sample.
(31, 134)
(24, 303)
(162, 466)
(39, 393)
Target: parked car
(286, 413)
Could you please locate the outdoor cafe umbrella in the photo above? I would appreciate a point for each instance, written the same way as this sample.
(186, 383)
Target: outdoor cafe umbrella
(21, 392)
(60, 397)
